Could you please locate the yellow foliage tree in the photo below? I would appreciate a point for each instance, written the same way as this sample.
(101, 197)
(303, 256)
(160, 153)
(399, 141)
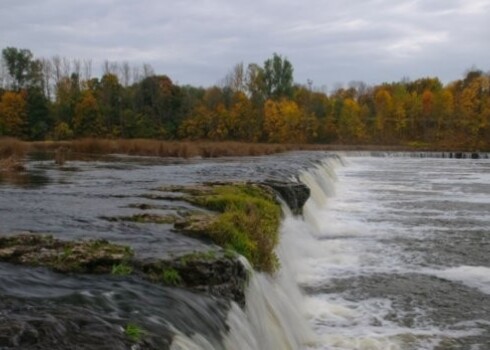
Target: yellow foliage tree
(351, 127)
(285, 122)
(196, 126)
(384, 109)
(443, 112)
(246, 123)
(87, 120)
(13, 114)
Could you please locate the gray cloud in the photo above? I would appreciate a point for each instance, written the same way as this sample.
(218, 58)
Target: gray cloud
(198, 41)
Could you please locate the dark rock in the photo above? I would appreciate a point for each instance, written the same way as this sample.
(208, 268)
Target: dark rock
(213, 273)
(32, 325)
(217, 273)
(295, 194)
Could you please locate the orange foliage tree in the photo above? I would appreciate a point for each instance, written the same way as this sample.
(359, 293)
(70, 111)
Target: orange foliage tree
(13, 114)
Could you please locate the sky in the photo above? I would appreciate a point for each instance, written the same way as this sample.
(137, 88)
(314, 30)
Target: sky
(331, 42)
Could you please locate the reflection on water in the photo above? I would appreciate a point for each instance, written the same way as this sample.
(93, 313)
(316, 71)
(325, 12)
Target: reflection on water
(24, 179)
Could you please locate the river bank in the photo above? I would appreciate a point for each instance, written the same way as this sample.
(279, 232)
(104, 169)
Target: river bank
(75, 149)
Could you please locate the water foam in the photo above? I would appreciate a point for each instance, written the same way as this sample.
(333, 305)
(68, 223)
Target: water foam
(332, 241)
(471, 276)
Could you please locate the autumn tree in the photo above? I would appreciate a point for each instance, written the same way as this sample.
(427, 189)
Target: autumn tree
(474, 105)
(400, 100)
(384, 110)
(88, 121)
(351, 127)
(246, 121)
(13, 114)
(68, 94)
(284, 122)
(443, 113)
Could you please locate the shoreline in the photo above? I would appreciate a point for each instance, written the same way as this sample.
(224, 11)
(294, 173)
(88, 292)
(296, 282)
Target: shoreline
(10, 147)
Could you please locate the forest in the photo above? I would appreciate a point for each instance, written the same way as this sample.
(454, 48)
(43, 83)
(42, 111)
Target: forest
(61, 99)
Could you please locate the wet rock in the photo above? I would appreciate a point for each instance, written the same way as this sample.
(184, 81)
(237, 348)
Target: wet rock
(144, 218)
(216, 273)
(38, 325)
(92, 256)
(196, 225)
(295, 194)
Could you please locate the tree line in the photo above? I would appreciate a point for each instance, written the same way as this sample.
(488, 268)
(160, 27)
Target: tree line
(60, 99)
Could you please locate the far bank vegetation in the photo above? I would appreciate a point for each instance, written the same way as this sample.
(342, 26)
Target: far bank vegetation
(60, 99)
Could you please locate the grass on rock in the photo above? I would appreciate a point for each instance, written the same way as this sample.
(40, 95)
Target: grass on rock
(134, 332)
(171, 277)
(248, 222)
(122, 269)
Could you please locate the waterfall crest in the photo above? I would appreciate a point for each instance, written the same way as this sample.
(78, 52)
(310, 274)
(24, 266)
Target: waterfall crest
(275, 317)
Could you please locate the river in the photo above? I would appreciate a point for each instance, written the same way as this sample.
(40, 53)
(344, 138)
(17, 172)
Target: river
(392, 252)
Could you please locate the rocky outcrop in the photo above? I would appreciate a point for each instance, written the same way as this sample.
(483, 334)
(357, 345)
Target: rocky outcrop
(217, 273)
(93, 256)
(32, 325)
(241, 217)
(294, 194)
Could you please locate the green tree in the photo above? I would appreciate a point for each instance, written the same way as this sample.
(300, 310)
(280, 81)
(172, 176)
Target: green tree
(109, 96)
(38, 115)
(19, 65)
(158, 98)
(278, 77)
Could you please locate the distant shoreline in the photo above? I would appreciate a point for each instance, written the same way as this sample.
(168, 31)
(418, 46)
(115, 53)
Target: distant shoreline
(14, 148)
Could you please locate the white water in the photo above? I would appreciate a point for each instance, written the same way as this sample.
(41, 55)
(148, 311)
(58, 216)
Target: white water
(348, 231)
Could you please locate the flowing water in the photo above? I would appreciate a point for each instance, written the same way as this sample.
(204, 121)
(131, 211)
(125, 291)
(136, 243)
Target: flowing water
(397, 254)
(392, 253)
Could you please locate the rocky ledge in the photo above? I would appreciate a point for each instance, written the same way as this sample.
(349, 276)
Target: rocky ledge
(217, 273)
(242, 218)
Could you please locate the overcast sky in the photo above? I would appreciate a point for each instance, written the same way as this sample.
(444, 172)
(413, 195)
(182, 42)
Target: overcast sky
(198, 41)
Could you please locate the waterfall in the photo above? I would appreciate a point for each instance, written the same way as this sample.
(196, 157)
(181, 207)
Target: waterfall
(274, 317)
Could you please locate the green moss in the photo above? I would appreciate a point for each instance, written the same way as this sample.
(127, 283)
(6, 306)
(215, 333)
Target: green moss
(171, 277)
(67, 252)
(134, 332)
(122, 269)
(96, 256)
(197, 256)
(248, 223)
(230, 254)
